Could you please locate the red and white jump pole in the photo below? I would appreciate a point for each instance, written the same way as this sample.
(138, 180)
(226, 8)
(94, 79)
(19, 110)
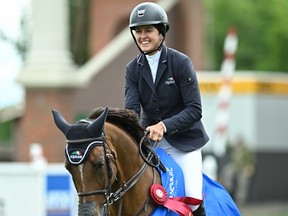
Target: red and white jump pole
(225, 94)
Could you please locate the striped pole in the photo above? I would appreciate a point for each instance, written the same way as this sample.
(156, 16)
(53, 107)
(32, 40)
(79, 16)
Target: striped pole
(225, 93)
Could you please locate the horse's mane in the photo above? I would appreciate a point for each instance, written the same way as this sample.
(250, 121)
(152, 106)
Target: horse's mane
(128, 120)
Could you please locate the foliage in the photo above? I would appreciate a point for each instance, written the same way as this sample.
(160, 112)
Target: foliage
(22, 42)
(262, 31)
(6, 129)
(79, 30)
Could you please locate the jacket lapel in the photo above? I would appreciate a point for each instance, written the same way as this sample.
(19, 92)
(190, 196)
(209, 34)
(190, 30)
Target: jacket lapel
(145, 71)
(162, 65)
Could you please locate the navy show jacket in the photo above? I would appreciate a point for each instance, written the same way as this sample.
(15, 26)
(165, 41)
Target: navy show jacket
(174, 98)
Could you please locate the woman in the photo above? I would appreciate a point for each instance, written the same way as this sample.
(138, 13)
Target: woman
(162, 87)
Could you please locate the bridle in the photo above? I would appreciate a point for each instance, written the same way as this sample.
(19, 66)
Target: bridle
(111, 197)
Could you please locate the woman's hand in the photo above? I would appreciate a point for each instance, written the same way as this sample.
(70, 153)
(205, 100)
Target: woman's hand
(156, 131)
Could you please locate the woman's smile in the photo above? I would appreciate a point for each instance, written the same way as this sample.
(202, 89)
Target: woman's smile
(148, 38)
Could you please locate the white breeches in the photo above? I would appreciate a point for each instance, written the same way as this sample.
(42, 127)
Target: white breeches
(191, 165)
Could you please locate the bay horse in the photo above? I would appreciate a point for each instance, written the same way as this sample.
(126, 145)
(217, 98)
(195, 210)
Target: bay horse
(109, 174)
(116, 171)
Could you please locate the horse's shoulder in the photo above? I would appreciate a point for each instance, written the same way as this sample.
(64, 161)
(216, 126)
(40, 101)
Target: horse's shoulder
(126, 119)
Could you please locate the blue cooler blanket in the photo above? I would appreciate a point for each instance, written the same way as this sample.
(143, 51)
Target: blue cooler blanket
(217, 200)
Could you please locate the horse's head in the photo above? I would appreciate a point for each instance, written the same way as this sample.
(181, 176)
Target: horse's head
(91, 159)
(88, 159)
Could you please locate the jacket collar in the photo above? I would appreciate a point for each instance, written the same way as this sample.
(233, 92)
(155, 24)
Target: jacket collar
(144, 68)
(162, 64)
(163, 58)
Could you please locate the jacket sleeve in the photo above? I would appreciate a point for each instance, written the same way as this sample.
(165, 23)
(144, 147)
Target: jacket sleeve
(132, 99)
(187, 82)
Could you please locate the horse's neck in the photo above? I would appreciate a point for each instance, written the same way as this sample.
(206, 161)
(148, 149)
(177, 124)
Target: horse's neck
(129, 162)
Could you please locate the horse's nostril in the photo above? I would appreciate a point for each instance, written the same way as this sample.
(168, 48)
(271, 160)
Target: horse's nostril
(86, 209)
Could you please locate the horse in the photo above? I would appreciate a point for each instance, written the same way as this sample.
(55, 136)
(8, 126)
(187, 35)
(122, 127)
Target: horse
(112, 177)
(116, 170)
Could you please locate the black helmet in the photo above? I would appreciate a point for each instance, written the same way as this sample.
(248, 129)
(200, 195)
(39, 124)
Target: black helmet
(149, 13)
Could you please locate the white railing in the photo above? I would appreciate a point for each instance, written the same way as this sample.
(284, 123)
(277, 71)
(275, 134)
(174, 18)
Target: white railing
(36, 190)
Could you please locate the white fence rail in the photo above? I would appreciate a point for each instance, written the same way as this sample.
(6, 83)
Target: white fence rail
(30, 189)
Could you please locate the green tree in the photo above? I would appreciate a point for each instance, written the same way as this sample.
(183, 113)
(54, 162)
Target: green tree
(79, 30)
(262, 31)
(22, 42)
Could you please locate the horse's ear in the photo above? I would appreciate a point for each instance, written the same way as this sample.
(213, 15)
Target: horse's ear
(98, 124)
(60, 122)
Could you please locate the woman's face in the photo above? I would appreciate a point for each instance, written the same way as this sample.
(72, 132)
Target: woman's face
(148, 38)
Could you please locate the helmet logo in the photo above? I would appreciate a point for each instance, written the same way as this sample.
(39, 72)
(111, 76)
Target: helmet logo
(141, 13)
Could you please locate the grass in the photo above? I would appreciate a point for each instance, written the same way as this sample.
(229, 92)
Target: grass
(265, 209)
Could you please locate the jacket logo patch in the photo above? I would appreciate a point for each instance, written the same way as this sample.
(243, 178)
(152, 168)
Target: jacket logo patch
(170, 81)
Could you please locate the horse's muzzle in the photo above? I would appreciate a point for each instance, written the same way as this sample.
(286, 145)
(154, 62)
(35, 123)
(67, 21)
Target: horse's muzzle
(87, 209)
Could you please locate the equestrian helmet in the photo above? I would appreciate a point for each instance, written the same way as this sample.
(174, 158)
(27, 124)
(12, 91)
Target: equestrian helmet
(149, 13)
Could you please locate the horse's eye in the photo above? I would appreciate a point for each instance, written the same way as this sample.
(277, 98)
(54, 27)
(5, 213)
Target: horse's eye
(98, 165)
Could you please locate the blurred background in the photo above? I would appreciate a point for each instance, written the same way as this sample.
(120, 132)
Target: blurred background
(70, 55)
